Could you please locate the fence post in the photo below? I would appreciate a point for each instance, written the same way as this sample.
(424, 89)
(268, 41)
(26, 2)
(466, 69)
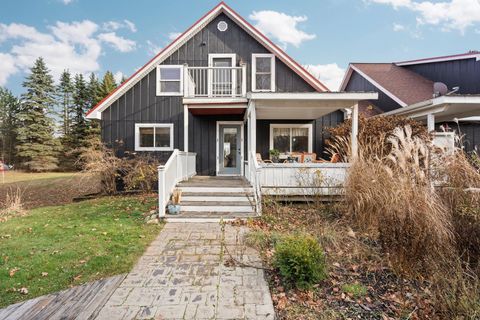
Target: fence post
(161, 191)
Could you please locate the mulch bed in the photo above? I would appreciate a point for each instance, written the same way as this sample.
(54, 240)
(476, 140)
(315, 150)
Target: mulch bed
(352, 259)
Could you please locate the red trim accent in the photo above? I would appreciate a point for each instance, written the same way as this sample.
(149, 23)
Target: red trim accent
(442, 57)
(218, 103)
(314, 83)
(161, 51)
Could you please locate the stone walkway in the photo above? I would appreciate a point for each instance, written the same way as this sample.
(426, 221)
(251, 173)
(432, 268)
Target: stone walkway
(182, 275)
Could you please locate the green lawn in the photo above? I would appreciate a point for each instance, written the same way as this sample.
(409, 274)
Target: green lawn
(73, 243)
(17, 176)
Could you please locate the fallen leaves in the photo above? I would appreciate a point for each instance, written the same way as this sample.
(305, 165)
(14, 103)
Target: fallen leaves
(23, 291)
(44, 274)
(12, 271)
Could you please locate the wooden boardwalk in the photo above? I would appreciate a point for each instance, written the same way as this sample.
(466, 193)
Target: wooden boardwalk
(82, 302)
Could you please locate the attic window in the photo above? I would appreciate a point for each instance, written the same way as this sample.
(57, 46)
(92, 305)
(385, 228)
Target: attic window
(222, 26)
(263, 72)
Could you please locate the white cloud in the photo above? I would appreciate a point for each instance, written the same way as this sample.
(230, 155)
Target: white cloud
(398, 27)
(76, 46)
(66, 2)
(117, 42)
(329, 74)
(281, 26)
(449, 15)
(152, 48)
(174, 35)
(118, 77)
(7, 67)
(115, 25)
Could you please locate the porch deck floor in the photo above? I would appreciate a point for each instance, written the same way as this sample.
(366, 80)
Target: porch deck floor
(205, 197)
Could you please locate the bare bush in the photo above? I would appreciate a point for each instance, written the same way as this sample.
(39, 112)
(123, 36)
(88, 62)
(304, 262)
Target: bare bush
(99, 159)
(13, 206)
(141, 173)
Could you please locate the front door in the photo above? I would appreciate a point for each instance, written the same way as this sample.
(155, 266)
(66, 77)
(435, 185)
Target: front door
(229, 149)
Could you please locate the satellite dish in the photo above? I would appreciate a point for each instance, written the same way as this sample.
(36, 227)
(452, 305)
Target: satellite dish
(439, 89)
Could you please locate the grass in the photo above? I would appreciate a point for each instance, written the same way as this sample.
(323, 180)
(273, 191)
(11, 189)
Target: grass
(53, 248)
(18, 176)
(355, 289)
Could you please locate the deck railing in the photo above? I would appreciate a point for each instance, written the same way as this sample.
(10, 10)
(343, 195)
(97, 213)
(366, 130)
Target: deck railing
(215, 82)
(180, 166)
(252, 170)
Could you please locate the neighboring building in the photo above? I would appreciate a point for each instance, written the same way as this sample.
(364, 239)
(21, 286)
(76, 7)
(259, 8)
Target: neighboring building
(405, 87)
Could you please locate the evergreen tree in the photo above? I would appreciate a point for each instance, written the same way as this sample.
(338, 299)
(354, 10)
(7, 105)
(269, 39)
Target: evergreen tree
(124, 78)
(108, 84)
(94, 97)
(8, 123)
(79, 125)
(65, 99)
(37, 147)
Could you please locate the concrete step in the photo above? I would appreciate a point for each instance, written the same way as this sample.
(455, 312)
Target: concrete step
(216, 198)
(217, 194)
(216, 190)
(210, 215)
(214, 203)
(225, 209)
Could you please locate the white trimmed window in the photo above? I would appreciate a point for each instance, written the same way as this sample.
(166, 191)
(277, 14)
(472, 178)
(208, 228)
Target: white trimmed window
(169, 80)
(263, 72)
(153, 137)
(291, 137)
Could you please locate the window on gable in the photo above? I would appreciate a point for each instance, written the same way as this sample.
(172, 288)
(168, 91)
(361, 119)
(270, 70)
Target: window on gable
(263, 72)
(153, 137)
(288, 138)
(169, 80)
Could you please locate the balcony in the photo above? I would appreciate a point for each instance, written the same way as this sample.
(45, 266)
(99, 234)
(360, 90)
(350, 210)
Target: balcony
(215, 82)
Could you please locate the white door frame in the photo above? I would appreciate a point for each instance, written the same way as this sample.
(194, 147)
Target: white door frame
(217, 143)
(231, 56)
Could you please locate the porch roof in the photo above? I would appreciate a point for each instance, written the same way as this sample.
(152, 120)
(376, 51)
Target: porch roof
(444, 108)
(304, 106)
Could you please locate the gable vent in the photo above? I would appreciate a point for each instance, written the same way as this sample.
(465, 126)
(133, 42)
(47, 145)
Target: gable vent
(222, 26)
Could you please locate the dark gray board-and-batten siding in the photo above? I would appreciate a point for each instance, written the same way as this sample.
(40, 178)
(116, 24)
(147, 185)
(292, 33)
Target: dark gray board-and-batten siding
(141, 105)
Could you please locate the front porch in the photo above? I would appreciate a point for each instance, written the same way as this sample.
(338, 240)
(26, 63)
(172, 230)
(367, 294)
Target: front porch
(224, 140)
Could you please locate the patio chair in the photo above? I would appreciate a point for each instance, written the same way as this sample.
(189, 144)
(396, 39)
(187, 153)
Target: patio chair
(260, 160)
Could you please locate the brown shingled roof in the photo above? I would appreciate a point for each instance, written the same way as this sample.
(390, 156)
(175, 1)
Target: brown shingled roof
(404, 84)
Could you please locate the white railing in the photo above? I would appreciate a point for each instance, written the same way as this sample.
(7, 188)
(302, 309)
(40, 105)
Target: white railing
(180, 166)
(303, 179)
(253, 176)
(215, 82)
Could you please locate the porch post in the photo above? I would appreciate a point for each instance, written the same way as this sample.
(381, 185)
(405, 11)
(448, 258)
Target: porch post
(253, 129)
(355, 131)
(185, 128)
(430, 122)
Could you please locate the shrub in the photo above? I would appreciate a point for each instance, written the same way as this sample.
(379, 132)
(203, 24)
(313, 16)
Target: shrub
(372, 135)
(13, 206)
(300, 260)
(394, 196)
(141, 173)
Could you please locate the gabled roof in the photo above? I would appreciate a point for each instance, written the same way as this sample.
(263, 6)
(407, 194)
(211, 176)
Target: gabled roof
(402, 85)
(461, 56)
(94, 113)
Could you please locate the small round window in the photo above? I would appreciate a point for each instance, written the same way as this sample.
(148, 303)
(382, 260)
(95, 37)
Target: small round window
(222, 26)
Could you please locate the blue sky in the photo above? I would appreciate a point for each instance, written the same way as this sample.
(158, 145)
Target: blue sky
(95, 36)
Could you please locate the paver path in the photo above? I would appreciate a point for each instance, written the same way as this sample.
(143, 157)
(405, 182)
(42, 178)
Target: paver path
(182, 275)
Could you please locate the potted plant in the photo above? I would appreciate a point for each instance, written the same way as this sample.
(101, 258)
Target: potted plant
(174, 206)
(274, 155)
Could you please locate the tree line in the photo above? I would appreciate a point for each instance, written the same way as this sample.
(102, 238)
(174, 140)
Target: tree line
(45, 128)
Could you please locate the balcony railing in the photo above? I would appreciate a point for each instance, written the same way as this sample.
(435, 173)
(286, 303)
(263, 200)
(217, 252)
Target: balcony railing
(215, 82)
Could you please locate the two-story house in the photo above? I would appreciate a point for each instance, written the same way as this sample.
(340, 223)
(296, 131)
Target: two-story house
(215, 101)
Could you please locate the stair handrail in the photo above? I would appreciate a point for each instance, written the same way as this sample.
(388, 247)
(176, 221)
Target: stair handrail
(179, 166)
(255, 169)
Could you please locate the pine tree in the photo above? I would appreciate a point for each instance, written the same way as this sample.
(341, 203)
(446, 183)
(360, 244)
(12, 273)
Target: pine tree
(94, 97)
(79, 126)
(37, 147)
(108, 84)
(65, 99)
(8, 123)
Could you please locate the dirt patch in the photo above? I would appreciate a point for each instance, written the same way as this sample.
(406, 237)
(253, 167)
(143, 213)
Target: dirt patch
(51, 191)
